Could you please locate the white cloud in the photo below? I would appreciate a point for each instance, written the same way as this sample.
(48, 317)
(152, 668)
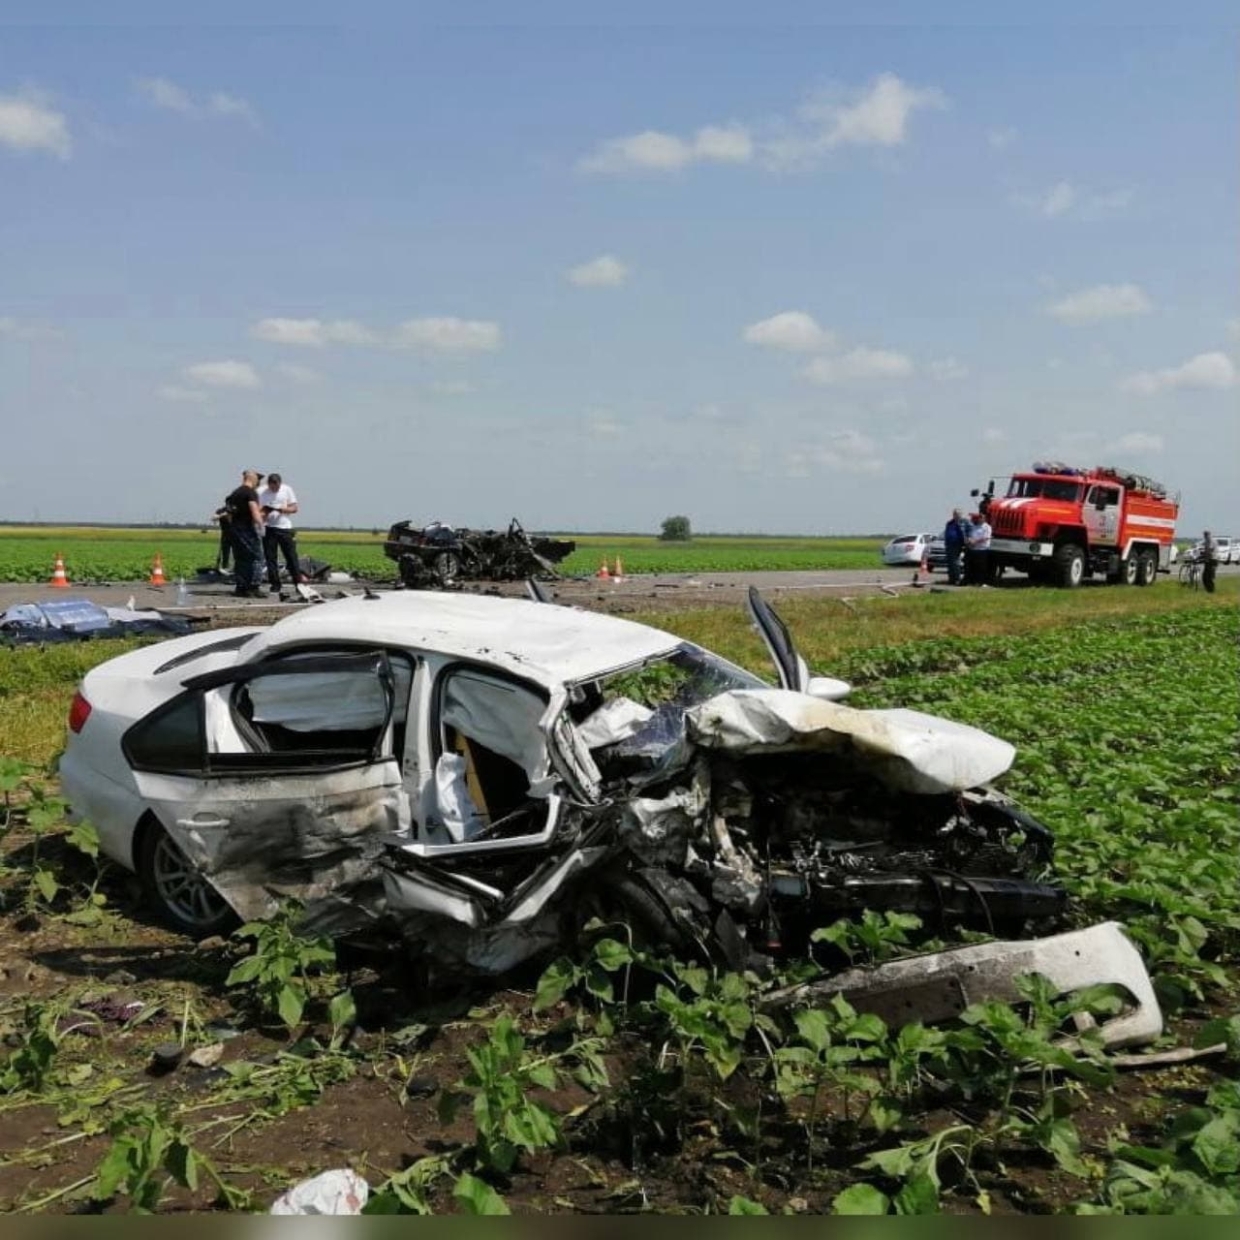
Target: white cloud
(1064, 199)
(1059, 198)
(312, 333)
(1102, 301)
(606, 271)
(28, 123)
(793, 331)
(227, 374)
(23, 329)
(1203, 372)
(222, 104)
(166, 94)
(859, 363)
(303, 375)
(846, 452)
(182, 395)
(1138, 442)
(993, 435)
(447, 334)
(876, 115)
(603, 426)
(1001, 137)
(945, 369)
(655, 151)
(443, 334)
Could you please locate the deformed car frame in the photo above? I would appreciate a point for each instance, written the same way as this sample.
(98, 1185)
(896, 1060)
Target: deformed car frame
(439, 556)
(478, 778)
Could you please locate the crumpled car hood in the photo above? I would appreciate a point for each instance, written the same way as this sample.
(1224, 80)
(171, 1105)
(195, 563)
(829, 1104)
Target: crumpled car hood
(905, 749)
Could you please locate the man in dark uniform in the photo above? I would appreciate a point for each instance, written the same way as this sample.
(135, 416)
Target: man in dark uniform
(245, 521)
(1209, 561)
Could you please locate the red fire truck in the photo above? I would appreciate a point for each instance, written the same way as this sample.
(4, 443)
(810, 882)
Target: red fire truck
(1062, 525)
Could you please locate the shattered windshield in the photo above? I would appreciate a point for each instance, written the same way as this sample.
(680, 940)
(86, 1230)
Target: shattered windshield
(634, 720)
(1044, 488)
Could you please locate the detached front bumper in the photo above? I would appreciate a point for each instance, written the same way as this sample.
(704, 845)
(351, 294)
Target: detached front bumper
(940, 986)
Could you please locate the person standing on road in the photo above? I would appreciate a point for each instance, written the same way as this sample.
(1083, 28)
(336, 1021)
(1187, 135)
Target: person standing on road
(224, 554)
(278, 503)
(953, 546)
(977, 551)
(245, 521)
(1209, 561)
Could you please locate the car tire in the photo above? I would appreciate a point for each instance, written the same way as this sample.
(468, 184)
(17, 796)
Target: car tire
(447, 568)
(175, 889)
(1069, 565)
(1147, 568)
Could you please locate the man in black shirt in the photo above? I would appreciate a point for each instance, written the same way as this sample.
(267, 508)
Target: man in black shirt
(245, 519)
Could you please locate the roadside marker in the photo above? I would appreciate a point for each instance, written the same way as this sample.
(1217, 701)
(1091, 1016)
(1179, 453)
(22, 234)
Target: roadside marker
(157, 571)
(60, 579)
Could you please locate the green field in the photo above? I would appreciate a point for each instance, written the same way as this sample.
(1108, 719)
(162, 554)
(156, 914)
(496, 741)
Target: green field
(617, 1084)
(98, 554)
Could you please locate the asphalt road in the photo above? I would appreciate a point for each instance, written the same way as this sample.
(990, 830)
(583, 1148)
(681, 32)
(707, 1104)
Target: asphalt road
(645, 592)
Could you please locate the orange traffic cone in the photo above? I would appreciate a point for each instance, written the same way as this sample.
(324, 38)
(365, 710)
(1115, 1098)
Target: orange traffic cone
(618, 575)
(604, 573)
(60, 579)
(922, 574)
(157, 571)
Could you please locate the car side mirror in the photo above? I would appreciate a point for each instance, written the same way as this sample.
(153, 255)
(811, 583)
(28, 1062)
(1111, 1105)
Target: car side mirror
(828, 688)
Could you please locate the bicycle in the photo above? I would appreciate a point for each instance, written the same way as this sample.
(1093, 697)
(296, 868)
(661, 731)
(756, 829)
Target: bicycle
(1190, 574)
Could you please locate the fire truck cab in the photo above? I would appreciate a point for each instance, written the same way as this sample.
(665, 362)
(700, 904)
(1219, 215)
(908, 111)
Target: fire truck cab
(1064, 525)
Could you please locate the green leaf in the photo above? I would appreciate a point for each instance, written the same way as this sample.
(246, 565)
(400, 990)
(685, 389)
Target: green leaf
(920, 1195)
(244, 971)
(475, 1196)
(861, 1199)
(46, 882)
(342, 1010)
(554, 983)
(743, 1205)
(182, 1164)
(290, 1003)
(612, 954)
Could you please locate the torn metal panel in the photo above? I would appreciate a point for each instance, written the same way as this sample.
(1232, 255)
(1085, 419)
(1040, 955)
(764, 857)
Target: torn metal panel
(267, 850)
(940, 986)
(905, 749)
(658, 830)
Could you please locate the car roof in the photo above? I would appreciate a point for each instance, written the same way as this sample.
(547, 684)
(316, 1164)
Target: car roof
(543, 642)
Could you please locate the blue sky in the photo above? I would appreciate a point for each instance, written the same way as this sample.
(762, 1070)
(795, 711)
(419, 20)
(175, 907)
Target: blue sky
(779, 276)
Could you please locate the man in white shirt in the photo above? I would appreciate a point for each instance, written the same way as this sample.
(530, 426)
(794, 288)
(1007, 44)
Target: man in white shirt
(278, 503)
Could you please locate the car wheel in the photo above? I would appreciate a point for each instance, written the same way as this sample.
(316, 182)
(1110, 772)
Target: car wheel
(447, 567)
(1069, 565)
(177, 890)
(1147, 568)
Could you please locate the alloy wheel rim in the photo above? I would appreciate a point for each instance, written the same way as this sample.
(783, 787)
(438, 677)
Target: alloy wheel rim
(182, 888)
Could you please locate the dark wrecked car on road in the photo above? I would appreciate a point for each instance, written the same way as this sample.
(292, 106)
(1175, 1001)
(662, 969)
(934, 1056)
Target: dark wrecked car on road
(479, 777)
(439, 556)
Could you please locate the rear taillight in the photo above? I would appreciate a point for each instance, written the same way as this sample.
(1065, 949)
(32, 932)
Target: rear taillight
(79, 712)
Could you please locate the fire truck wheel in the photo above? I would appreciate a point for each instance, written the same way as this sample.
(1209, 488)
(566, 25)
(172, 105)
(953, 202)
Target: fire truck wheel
(1069, 565)
(1147, 568)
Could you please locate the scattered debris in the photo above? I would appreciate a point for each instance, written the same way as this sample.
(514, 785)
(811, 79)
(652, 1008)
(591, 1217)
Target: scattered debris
(78, 619)
(341, 1191)
(206, 1056)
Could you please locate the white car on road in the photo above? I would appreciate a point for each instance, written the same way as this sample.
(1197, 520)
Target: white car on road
(907, 549)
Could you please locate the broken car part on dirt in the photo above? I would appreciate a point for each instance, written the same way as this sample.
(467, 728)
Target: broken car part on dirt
(939, 986)
(437, 556)
(477, 778)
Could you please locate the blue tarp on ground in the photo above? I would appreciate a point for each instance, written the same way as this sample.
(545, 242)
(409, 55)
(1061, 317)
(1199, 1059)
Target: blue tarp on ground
(78, 619)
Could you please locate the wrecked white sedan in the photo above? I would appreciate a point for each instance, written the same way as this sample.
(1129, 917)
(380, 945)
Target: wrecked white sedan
(480, 776)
